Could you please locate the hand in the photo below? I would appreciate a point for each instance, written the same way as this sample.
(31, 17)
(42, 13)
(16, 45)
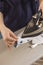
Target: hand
(8, 36)
(41, 6)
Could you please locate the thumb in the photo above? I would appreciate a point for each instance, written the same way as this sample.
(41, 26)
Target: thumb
(13, 35)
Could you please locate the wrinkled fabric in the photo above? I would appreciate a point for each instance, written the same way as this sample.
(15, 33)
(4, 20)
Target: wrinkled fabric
(17, 13)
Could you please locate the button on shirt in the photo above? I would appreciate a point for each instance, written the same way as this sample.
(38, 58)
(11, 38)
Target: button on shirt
(17, 13)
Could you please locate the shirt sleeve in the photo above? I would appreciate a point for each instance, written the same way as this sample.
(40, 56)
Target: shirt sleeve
(35, 6)
(1, 6)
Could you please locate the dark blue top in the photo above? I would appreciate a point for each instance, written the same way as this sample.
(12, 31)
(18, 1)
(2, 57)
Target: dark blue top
(17, 13)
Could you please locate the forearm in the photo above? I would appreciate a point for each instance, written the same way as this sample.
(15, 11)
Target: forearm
(41, 1)
(1, 21)
(41, 6)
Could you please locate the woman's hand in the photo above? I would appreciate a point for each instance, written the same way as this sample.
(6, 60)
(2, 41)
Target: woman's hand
(41, 6)
(8, 36)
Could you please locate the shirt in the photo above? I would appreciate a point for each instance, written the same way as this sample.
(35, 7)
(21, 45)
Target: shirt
(17, 13)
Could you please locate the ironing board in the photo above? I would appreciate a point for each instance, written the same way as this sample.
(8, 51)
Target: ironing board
(23, 55)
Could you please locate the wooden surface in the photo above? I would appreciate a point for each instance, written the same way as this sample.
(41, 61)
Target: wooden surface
(23, 55)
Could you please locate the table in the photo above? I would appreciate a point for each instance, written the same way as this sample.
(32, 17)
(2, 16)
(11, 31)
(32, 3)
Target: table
(23, 55)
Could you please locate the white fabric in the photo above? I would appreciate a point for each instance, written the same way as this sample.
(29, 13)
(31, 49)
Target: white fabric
(35, 40)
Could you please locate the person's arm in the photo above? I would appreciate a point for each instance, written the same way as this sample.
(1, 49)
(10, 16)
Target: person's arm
(41, 5)
(8, 36)
(41, 1)
(1, 21)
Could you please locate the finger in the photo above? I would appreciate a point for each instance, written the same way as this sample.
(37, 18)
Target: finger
(9, 46)
(10, 39)
(15, 44)
(13, 35)
(11, 43)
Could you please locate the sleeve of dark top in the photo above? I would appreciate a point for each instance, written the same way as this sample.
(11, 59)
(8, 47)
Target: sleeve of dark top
(1, 6)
